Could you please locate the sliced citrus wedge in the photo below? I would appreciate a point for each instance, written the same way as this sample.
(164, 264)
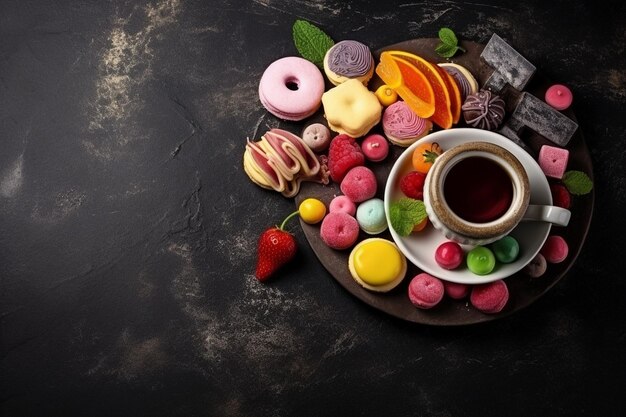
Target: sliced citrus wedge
(417, 83)
(443, 115)
(388, 71)
(409, 82)
(455, 94)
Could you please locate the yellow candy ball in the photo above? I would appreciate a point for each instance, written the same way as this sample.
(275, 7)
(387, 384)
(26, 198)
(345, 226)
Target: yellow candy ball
(312, 210)
(386, 95)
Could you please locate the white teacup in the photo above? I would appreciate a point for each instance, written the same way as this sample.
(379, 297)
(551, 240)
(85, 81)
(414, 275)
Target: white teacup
(477, 192)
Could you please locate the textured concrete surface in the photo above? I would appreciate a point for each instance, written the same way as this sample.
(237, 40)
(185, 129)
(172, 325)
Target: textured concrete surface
(128, 227)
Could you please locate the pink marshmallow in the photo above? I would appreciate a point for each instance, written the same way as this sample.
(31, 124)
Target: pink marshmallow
(359, 184)
(490, 298)
(553, 161)
(375, 147)
(339, 230)
(555, 249)
(342, 204)
(455, 290)
(425, 291)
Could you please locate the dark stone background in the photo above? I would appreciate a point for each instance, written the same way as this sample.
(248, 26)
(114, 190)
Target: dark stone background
(128, 227)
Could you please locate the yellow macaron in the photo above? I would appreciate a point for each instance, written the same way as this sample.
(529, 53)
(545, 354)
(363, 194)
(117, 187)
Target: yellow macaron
(377, 264)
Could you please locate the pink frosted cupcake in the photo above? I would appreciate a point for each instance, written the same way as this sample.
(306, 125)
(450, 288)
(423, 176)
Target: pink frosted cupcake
(403, 127)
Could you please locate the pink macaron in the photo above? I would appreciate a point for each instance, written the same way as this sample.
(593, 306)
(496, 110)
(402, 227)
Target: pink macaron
(425, 291)
(291, 88)
(455, 290)
(339, 230)
(490, 298)
(342, 204)
(555, 249)
(359, 184)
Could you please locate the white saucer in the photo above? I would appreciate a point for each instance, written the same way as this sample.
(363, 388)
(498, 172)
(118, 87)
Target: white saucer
(419, 248)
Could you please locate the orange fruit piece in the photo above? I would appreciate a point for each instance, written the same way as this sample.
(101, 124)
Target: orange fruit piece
(443, 115)
(409, 82)
(455, 94)
(421, 225)
(424, 156)
(417, 83)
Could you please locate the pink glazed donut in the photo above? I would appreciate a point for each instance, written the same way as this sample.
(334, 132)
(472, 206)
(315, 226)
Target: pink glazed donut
(291, 88)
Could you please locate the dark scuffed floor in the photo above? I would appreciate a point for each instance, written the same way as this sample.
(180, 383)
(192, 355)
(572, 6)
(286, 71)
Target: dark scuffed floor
(128, 227)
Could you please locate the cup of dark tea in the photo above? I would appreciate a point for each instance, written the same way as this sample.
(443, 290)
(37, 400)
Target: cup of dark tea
(478, 192)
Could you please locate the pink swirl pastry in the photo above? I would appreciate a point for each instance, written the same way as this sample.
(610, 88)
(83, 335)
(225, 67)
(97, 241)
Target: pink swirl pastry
(280, 161)
(402, 126)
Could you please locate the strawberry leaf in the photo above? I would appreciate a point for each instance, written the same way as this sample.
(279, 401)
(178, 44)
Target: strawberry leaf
(430, 156)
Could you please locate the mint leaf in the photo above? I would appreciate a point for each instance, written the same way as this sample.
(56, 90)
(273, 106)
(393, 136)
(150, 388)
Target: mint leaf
(448, 37)
(405, 213)
(449, 43)
(311, 42)
(577, 182)
(446, 51)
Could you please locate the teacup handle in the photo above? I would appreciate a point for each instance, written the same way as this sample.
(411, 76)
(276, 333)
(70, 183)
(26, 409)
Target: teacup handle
(552, 214)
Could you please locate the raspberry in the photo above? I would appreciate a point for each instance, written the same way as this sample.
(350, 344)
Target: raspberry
(560, 195)
(412, 185)
(343, 155)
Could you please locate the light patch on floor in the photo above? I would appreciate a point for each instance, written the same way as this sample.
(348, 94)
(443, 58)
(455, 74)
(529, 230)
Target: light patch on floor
(52, 212)
(12, 178)
(125, 66)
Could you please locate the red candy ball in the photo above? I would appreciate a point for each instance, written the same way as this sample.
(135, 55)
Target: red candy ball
(449, 255)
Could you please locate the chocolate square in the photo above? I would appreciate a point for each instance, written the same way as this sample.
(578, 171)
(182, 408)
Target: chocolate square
(509, 66)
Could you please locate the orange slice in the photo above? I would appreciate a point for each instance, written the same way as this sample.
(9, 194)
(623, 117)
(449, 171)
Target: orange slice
(455, 94)
(416, 81)
(409, 82)
(443, 115)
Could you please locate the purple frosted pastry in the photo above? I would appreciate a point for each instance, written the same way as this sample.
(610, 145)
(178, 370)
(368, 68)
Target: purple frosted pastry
(464, 79)
(483, 110)
(347, 60)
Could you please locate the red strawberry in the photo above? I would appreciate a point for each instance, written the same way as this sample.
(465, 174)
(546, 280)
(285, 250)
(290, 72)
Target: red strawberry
(412, 185)
(560, 195)
(276, 248)
(343, 155)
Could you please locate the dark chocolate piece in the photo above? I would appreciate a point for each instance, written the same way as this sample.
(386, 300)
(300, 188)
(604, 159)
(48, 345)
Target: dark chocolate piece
(509, 67)
(536, 115)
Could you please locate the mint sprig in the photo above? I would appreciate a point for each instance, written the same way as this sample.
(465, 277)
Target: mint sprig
(577, 182)
(405, 214)
(449, 43)
(311, 42)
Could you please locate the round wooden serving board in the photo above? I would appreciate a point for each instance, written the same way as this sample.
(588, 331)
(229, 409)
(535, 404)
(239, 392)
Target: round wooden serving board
(523, 289)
